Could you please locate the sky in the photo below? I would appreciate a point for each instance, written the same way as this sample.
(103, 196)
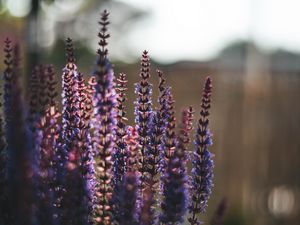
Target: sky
(199, 29)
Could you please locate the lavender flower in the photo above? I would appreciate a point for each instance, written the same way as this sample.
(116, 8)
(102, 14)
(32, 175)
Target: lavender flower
(34, 86)
(43, 99)
(89, 101)
(143, 113)
(174, 205)
(68, 78)
(46, 137)
(120, 150)
(169, 137)
(4, 219)
(80, 172)
(89, 162)
(164, 107)
(104, 128)
(156, 134)
(19, 154)
(66, 137)
(146, 214)
(128, 199)
(174, 179)
(3, 196)
(51, 84)
(185, 128)
(133, 147)
(202, 172)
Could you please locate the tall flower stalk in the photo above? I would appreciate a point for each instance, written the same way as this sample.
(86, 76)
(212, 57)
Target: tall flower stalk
(175, 178)
(104, 128)
(19, 149)
(202, 172)
(120, 151)
(79, 176)
(7, 77)
(46, 137)
(143, 114)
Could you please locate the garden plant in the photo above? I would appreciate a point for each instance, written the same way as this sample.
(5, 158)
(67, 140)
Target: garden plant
(85, 164)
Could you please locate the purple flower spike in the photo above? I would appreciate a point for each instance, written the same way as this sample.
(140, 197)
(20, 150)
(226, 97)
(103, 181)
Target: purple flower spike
(143, 113)
(34, 86)
(51, 84)
(68, 94)
(7, 77)
(174, 179)
(128, 199)
(89, 101)
(169, 136)
(184, 134)
(147, 212)
(174, 205)
(43, 99)
(133, 153)
(80, 172)
(202, 171)
(19, 149)
(156, 146)
(46, 137)
(104, 129)
(120, 153)
(120, 150)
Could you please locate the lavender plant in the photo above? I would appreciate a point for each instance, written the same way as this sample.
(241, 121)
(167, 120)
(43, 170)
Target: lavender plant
(202, 173)
(87, 165)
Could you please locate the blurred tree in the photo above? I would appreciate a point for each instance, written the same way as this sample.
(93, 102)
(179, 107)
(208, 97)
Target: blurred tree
(51, 20)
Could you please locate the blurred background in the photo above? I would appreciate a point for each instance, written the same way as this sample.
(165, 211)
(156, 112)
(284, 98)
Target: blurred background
(251, 49)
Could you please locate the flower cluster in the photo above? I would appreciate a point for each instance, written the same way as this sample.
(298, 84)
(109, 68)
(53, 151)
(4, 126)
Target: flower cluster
(86, 165)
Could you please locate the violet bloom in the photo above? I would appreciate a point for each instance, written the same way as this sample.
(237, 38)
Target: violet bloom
(143, 113)
(184, 133)
(80, 173)
(34, 87)
(128, 199)
(120, 150)
(104, 128)
(19, 149)
(133, 147)
(67, 125)
(46, 137)
(162, 101)
(174, 204)
(78, 179)
(169, 138)
(202, 172)
(104, 144)
(7, 75)
(175, 179)
(147, 213)
(89, 154)
(46, 131)
(158, 127)
(68, 94)
(51, 84)
(43, 99)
